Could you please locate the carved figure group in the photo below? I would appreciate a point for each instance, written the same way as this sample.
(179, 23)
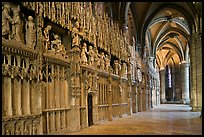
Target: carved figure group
(6, 20)
(57, 45)
(17, 26)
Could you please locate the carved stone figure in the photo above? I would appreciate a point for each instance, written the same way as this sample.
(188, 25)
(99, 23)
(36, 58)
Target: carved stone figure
(75, 35)
(123, 70)
(107, 62)
(6, 19)
(17, 26)
(97, 59)
(30, 32)
(47, 37)
(91, 55)
(117, 67)
(83, 55)
(57, 45)
(102, 60)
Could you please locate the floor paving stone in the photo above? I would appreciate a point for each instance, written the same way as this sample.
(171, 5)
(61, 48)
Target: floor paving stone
(166, 119)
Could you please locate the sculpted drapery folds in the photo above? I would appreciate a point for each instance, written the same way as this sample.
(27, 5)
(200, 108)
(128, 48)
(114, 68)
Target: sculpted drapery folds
(30, 32)
(76, 35)
(6, 19)
(47, 37)
(17, 26)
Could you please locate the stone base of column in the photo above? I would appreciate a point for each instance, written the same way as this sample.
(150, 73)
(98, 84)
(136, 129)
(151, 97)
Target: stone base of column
(163, 101)
(186, 101)
(196, 109)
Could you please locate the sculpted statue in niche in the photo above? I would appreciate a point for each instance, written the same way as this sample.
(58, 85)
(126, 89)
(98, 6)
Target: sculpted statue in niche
(6, 19)
(75, 34)
(83, 55)
(30, 32)
(17, 26)
(117, 67)
(47, 37)
(102, 60)
(107, 62)
(57, 45)
(91, 55)
(97, 59)
(123, 70)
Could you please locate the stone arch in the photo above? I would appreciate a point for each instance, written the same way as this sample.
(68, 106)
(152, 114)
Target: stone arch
(189, 17)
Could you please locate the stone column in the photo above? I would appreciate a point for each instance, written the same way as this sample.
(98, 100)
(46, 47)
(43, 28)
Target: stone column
(38, 98)
(173, 83)
(62, 95)
(66, 93)
(110, 96)
(196, 72)
(129, 88)
(140, 100)
(47, 91)
(33, 96)
(120, 98)
(52, 121)
(57, 88)
(17, 97)
(52, 88)
(136, 97)
(185, 83)
(7, 96)
(26, 97)
(63, 119)
(57, 121)
(162, 85)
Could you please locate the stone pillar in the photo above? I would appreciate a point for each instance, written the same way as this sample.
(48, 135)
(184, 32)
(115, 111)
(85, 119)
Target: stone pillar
(52, 88)
(185, 82)
(174, 83)
(17, 97)
(38, 98)
(95, 98)
(57, 121)
(144, 99)
(50, 95)
(52, 121)
(33, 96)
(63, 120)
(7, 96)
(57, 88)
(26, 97)
(66, 94)
(62, 95)
(162, 85)
(196, 72)
(120, 98)
(136, 97)
(129, 88)
(139, 48)
(110, 96)
(140, 100)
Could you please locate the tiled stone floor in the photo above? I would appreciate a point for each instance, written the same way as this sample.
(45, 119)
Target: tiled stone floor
(166, 119)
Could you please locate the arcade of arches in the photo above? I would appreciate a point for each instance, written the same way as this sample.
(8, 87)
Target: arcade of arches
(70, 65)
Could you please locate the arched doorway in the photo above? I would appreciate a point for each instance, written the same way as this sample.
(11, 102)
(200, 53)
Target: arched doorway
(90, 110)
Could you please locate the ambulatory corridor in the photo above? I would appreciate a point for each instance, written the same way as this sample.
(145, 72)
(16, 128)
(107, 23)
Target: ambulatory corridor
(125, 68)
(166, 119)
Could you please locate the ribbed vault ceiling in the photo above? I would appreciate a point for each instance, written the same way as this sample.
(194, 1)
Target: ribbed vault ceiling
(166, 26)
